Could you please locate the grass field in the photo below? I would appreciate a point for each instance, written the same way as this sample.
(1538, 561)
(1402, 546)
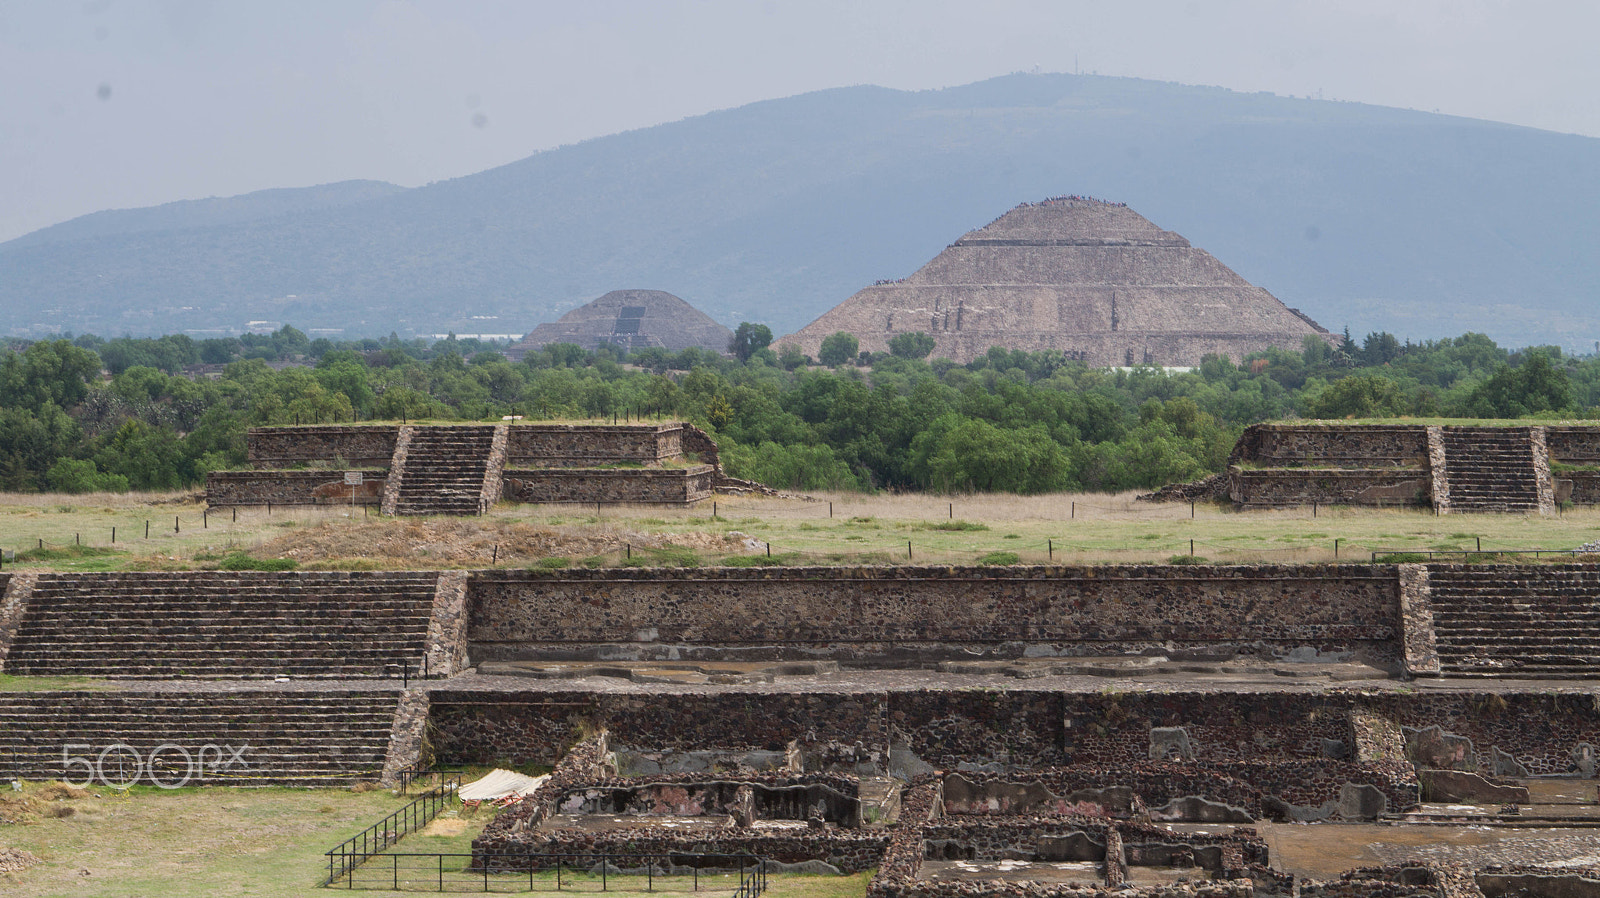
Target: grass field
(264, 843)
(826, 529)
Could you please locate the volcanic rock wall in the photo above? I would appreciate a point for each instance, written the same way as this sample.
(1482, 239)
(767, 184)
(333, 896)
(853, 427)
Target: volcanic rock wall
(926, 613)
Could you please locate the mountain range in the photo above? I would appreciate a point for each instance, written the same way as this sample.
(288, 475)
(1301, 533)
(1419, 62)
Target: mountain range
(1365, 217)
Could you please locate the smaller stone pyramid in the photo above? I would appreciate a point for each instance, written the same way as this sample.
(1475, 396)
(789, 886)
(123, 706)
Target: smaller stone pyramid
(630, 319)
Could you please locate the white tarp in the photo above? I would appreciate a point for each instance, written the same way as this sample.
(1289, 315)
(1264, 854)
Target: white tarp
(499, 784)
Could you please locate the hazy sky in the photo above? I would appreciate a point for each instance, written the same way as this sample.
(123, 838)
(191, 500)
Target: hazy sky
(113, 104)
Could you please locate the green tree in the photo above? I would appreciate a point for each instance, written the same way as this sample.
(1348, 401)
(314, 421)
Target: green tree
(50, 371)
(1358, 396)
(911, 346)
(790, 357)
(1537, 385)
(964, 455)
(838, 348)
(79, 475)
(749, 338)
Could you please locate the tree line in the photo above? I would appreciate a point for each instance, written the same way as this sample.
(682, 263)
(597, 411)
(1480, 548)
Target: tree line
(85, 413)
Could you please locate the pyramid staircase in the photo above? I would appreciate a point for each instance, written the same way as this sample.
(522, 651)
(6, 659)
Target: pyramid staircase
(1491, 469)
(214, 738)
(224, 624)
(1525, 622)
(445, 469)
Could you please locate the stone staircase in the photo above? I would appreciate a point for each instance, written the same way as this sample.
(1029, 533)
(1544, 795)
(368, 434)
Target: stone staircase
(214, 738)
(1491, 469)
(445, 469)
(223, 624)
(1502, 621)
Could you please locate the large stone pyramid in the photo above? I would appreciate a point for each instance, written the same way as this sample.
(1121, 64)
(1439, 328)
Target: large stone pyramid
(1093, 279)
(631, 319)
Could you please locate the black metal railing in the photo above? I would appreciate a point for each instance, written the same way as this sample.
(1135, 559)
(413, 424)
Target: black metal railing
(352, 852)
(406, 776)
(508, 872)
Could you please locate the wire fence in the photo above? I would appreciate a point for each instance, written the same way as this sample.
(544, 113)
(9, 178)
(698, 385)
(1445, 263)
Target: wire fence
(145, 531)
(234, 529)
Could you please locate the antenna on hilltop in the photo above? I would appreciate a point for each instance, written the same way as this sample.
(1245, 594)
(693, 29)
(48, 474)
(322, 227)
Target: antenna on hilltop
(1075, 64)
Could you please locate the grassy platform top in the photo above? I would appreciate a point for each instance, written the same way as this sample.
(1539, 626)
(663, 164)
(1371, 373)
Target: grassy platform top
(736, 531)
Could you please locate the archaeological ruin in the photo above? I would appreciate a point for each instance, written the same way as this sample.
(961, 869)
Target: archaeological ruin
(1531, 469)
(1165, 730)
(1091, 279)
(463, 469)
(629, 320)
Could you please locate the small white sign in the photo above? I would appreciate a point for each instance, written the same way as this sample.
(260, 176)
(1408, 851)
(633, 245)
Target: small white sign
(353, 478)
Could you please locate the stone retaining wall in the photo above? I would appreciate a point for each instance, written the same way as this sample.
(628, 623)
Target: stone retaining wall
(225, 488)
(1495, 734)
(284, 447)
(679, 486)
(1333, 445)
(1276, 487)
(587, 445)
(1577, 487)
(1575, 444)
(927, 612)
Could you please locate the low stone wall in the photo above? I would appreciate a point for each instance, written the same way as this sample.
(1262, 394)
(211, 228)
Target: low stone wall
(283, 447)
(1277, 487)
(224, 488)
(1575, 444)
(588, 445)
(676, 486)
(1333, 445)
(1223, 792)
(1577, 487)
(770, 796)
(535, 727)
(925, 613)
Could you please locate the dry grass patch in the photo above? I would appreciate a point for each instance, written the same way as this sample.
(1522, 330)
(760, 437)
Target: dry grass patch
(956, 530)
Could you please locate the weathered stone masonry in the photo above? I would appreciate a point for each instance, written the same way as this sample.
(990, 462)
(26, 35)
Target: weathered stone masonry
(526, 462)
(924, 612)
(1528, 468)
